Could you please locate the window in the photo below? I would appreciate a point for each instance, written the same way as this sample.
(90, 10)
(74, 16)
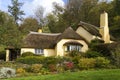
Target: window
(39, 51)
(73, 47)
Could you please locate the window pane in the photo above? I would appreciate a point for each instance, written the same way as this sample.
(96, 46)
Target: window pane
(39, 51)
(73, 47)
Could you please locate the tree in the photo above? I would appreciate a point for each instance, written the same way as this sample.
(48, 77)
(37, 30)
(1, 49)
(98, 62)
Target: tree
(29, 24)
(39, 14)
(52, 22)
(116, 4)
(75, 11)
(15, 11)
(9, 33)
(56, 23)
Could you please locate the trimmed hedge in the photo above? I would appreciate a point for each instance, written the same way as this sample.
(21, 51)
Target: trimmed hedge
(31, 60)
(42, 60)
(27, 54)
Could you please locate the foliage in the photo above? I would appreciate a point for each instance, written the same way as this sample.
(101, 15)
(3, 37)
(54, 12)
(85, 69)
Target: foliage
(44, 71)
(92, 54)
(27, 54)
(102, 62)
(31, 60)
(105, 49)
(63, 59)
(116, 56)
(9, 31)
(116, 4)
(29, 24)
(20, 71)
(74, 53)
(46, 29)
(60, 69)
(42, 60)
(69, 65)
(52, 67)
(75, 60)
(116, 27)
(7, 72)
(50, 60)
(95, 42)
(15, 11)
(2, 55)
(90, 63)
(35, 68)
(87, 63)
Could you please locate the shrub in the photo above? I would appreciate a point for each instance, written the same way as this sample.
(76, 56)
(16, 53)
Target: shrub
(102, 62)
(116, 56)
(69, 65)
(50, 60)
(20, 71)
(31, 60)
(63, 59)
(106, 49)
(60, 69)
(54, 60)
(95, 42)
(74, 53)
(86, 63)
(92, 54)
(44, 71)
(7, 72)
(27, 54)
(35, 68)
(76, 59)
(52, 67)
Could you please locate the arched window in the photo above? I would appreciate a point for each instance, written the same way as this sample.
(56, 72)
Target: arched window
(70, 46)
(73, 47)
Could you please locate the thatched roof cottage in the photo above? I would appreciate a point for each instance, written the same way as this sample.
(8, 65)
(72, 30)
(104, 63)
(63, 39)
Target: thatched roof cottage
(60, 44)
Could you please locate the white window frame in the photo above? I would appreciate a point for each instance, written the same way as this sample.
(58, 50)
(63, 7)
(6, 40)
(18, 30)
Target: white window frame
(73, 47)
(39, 51)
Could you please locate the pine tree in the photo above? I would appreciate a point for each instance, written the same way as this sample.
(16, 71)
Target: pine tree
(15, 11)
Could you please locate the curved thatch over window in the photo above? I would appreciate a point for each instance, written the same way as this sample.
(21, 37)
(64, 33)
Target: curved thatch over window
(72, 43)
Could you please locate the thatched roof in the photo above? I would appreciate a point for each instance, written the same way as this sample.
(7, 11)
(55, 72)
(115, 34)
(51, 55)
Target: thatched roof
(49, 41)
(90, 28)
(40, 40)
(69, 33)
(73, 43)
(93, 29)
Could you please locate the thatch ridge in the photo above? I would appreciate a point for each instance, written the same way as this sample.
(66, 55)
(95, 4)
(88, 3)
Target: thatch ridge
(50, 34)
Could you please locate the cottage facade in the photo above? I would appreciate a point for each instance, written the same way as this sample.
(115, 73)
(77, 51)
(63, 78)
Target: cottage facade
(54, 44)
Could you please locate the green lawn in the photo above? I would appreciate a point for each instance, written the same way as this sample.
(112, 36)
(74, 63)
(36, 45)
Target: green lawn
(82, 75)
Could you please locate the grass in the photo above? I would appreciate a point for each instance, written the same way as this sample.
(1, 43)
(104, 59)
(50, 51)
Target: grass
(112, 74)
